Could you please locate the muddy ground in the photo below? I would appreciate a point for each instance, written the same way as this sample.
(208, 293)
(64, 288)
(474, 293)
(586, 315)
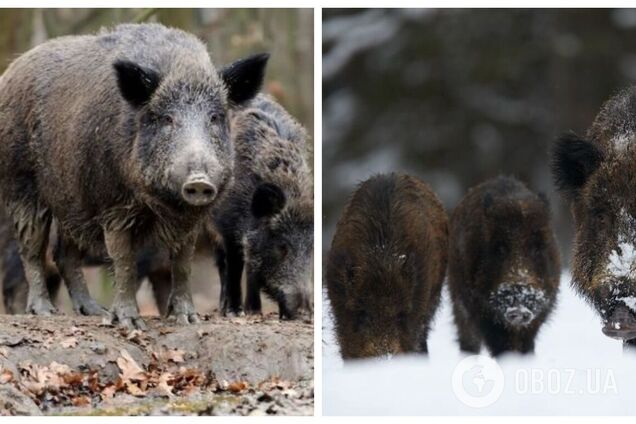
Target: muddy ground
(75, 365)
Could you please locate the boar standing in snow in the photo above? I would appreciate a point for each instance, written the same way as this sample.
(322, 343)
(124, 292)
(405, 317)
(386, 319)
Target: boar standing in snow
(386, 267)
(597, 176)
(503, 269)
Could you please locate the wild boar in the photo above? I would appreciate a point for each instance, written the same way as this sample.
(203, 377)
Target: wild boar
(503, 271)
(123, 138)
(266, 221)
(386, 266)
(596, 175)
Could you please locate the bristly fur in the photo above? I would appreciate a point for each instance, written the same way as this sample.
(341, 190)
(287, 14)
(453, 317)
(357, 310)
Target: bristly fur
(386, 266)
(271, 149)
(101, 133)
(502, 254)
(604, 205)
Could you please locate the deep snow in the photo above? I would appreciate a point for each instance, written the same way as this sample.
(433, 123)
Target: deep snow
(576, 371)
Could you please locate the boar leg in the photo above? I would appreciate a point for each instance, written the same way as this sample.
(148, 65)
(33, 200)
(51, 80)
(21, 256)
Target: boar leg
(231, 279)
(422, 341)
(69, 260)
(468, 334)
(15, 286)
(180, 305)
(500, 339)
(124, 309)
(253, 296)
(32, 230)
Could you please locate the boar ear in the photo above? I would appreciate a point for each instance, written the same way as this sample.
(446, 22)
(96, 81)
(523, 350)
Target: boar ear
(573, 161)
(136, 84)
(268, 200)
(244, 78)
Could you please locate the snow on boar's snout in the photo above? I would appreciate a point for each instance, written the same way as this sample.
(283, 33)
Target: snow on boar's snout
(518, 304)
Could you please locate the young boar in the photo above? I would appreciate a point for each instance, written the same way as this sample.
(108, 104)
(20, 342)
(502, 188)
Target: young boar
(266, 221)
(504, 270)
(123, 138)
(386, 266)
(597, 176)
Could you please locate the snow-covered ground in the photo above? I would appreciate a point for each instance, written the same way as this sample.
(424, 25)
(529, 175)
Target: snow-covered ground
(576, 371)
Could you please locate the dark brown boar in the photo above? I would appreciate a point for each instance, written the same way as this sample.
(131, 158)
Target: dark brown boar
(123, 139)
(503, 271)
(386, 266)
(597, 176)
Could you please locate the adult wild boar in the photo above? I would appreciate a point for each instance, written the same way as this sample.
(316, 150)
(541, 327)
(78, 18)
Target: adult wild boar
(123, 138)
(386, 266)
(503, 270)
(266, 221)
(597, 176)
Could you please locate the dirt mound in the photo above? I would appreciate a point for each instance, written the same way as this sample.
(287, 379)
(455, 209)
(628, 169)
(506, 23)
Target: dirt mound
(68, 364)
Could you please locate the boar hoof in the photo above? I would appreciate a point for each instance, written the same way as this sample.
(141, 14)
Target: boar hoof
(232, 312)
(185, 319)
(88, 307)
(41, 306)
(126, 315)
(182, 310)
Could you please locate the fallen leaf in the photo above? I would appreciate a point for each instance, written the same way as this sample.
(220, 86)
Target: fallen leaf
(6, 376)
(237, 386)
(73, 378)
(108, 392)
(81, 401)
(164, 385)
(135, 390)
(130, 370)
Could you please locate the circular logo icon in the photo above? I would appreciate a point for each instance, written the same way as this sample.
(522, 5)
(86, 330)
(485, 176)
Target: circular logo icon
(478, 381)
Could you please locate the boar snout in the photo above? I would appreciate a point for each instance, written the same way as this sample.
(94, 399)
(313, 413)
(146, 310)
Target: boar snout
(621, 324)
(198, 191)
(289, 306)
(518, 316)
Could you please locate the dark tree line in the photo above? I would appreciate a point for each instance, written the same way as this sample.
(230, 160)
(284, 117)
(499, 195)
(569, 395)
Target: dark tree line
(459, 96)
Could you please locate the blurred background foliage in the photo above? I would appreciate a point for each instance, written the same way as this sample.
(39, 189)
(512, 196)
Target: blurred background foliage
(229, 33)
(460, 96)
(287, 34)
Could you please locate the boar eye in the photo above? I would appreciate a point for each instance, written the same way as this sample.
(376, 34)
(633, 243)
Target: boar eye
(166, 120)
(601, 216)
(216, 118)
(281, 251)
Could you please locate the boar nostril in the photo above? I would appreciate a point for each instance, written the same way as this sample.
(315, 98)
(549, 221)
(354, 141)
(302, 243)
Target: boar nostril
(198, 192)
(519, 316)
